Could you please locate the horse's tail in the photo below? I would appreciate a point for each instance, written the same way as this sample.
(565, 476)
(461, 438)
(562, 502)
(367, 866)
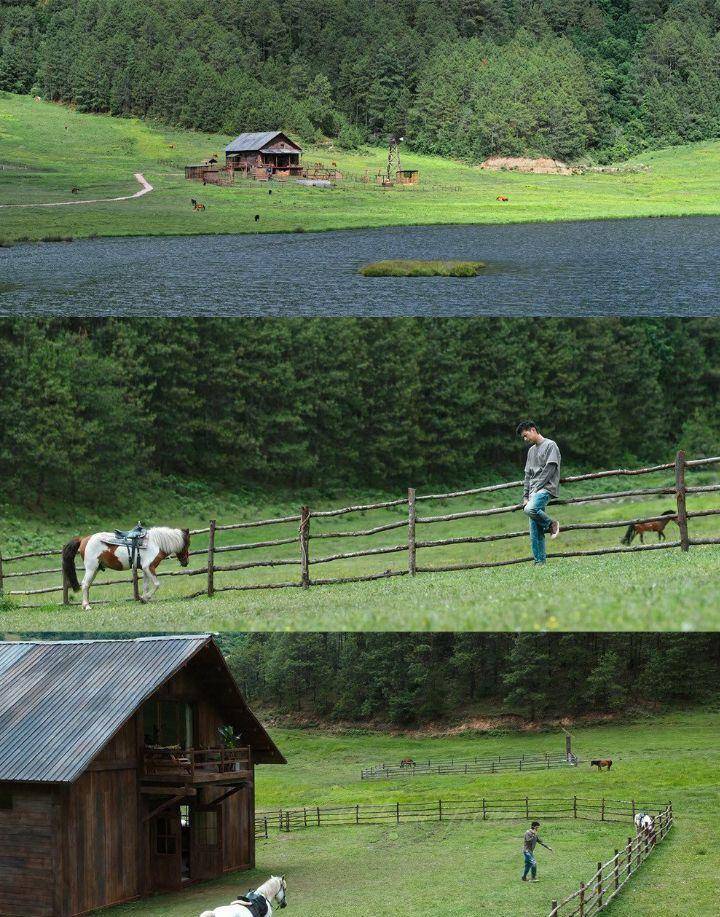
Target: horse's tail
(629, 535)
(68, 562)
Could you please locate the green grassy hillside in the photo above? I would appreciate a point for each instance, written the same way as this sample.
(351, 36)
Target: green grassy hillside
(349, 870)
(47, 149)
(662, 590)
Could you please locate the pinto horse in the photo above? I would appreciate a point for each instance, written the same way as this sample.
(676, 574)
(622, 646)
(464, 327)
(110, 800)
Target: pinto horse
(658, 525)
(257, 902)
(101, 550)
(601, 763)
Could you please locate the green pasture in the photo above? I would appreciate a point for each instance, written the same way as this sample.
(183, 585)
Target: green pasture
(652, 590)
(475, 865)
(46, 149)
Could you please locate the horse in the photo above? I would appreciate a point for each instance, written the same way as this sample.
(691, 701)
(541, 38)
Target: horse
(645, 824)
(658, 525)
(407, 762)
(196, 205)
(258, 902)
(503, 200)
(102, 550)
(601, 763)
(75, 191)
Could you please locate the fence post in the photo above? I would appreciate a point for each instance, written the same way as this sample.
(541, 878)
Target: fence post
(527, 807)
(211, 558)
(397, 811)
(439, 809)
(318, 815)
(630, 853)
(305, 547)
(599, 887)
(602, 810)
(574, 806)
(681, 504)
(484, 810)
(616, 869)
(553, 909)
(357, 814)
(581, 909)
(412, 516)
(136, 584)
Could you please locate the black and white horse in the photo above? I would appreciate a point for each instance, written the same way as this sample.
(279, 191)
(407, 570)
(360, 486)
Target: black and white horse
(275, 889)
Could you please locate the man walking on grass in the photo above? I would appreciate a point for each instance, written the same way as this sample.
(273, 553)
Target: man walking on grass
(542, 482)
(531, 839)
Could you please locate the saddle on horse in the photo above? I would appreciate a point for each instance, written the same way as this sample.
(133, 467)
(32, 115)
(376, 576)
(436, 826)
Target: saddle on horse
(131, 540)
(256, 904)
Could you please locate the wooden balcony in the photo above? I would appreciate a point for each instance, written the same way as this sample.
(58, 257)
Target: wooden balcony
(172, 765)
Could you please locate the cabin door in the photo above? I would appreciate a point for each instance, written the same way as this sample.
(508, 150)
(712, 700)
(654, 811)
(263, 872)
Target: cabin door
(165, 867)
(206, 860)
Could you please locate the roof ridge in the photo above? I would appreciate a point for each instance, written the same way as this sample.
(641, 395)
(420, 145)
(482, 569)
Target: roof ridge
(140, 639)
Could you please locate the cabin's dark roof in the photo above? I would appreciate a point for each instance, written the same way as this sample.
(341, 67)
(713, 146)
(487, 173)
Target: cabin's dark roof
(250, 143)
(61, 702)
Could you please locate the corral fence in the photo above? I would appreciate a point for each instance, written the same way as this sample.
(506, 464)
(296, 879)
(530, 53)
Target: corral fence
(477, 809)
(610, 877)
(309, 529)
(483, 765)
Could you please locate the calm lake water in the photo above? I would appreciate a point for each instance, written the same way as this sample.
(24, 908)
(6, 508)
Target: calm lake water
(623, 267)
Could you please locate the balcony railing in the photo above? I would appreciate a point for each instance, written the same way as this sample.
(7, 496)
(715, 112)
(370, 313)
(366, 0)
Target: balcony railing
(192, 763)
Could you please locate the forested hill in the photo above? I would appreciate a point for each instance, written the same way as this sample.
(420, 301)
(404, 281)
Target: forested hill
(466, 78)
(357, 402)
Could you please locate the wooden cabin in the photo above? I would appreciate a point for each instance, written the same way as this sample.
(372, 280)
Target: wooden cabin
(114, 782)
(264, 155)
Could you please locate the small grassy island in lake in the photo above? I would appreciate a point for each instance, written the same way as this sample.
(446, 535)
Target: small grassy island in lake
(423, 269)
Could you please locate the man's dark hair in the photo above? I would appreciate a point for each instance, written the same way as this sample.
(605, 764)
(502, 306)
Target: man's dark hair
(535, 824)
(525, 425)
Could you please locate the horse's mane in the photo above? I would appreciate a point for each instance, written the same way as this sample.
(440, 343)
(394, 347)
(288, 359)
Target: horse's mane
(169, 540)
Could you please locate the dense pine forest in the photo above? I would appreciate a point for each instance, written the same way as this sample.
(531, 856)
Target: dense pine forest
(94, 407)
(465, 78)
(408, 678)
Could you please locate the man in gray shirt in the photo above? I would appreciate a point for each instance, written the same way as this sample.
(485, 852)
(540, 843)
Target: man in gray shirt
(530, 840)
(542, 482)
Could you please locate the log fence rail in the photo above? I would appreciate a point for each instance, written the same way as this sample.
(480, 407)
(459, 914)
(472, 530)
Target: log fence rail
(308, 520)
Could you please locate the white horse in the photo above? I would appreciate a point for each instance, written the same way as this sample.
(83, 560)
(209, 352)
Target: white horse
(275, 889)
(104, 549)
(644, 823)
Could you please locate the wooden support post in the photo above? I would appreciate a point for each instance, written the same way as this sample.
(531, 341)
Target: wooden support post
(630, 853)
(136, 584)
(305, 547)
(527, 807)
(681, 503)
(574, 806)
(211, 558)
(602, 810)
(616, 869)
(599, 887)
(568, 746)
(581, 904)
(412, 517)
(554, 909)
(397, 812)
(484, 810)
(439, 809)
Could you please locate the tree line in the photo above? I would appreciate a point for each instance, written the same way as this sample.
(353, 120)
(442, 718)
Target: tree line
(100, 407)
(465, 78)
(406, 678)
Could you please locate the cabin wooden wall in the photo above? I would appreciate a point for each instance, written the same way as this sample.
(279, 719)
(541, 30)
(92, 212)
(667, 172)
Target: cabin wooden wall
(100, 821)
(30, 868)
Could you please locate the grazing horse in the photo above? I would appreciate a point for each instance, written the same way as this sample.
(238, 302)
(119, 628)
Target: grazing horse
(601, 763)
(103, 550)
(196, 205)
(504, 200)
(257, 903)
(659, 526)
(407, 762)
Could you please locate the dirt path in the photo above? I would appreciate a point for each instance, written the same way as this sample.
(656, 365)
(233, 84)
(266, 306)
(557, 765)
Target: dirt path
(145, 188)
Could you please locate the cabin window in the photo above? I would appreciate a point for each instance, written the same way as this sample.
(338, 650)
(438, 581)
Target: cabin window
(165, 842)
(205, 825)
(168, 723)
(6, 800)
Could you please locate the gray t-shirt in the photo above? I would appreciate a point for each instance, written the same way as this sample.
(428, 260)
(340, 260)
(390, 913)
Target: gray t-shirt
(542, 468)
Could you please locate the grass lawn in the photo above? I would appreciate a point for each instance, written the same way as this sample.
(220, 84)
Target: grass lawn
(46, 149)
(653, 590)
(476, 865)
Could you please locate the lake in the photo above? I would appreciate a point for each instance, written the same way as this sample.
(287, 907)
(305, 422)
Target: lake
(623, 267)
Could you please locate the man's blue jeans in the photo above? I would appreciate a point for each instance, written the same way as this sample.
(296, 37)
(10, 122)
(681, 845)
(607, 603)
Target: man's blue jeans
(540, 523)
(530, 864)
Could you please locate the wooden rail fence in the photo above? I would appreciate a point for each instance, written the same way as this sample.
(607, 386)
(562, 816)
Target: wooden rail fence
(485, 765)
(610, 877)
(307, 522)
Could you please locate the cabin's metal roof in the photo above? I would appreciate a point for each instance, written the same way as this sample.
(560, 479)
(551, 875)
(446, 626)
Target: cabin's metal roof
(61, 702)
(248, 143)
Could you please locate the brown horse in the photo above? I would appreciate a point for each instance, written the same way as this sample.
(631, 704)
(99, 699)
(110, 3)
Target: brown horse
(600, 763)
(196, 205)
(407, 762)
(658, 525)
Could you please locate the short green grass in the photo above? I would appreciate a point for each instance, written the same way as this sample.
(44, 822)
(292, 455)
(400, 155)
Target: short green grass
(474, 865)
(422, 269)
(46, 149)
(653, 590)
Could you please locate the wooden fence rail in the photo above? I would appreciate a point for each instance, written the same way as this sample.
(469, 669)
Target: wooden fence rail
(495, 765)
(610, 877)
(307, 533)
